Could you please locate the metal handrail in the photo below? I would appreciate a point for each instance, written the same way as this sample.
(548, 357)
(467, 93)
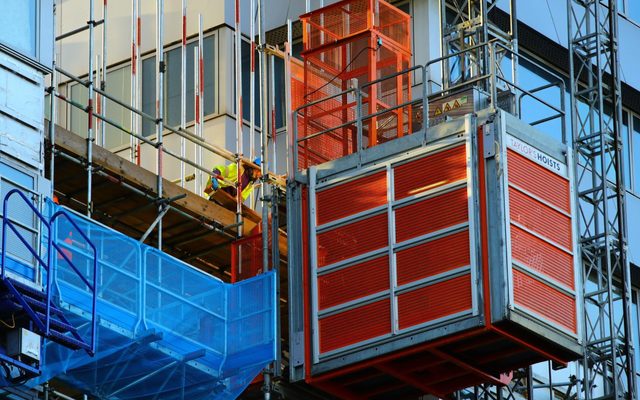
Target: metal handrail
(93, 286)
(6, 222)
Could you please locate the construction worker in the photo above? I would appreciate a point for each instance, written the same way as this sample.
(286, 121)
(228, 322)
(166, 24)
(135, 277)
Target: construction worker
(224, 178)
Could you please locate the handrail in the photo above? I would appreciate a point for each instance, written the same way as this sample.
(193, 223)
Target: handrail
(93, 285)
(391, 76)
(6, 222)
(47, 265)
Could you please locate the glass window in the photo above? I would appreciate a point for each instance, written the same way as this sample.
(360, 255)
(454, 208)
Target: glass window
(636, 153)
(280, 96)
(118, 85)
(78, 117)
(172, 85)
(18, 25)
(634, 324)
(633, 10)
(626, 150)
(246, 76)
(148, 94)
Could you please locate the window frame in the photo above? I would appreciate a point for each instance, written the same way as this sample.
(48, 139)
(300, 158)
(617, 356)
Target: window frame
(216, 90)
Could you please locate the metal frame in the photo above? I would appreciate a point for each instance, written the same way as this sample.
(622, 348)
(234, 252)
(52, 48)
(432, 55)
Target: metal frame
(593, 46)
(361, 349)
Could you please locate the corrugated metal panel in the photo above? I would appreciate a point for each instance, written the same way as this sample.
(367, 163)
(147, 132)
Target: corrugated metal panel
(538, 180)
(430, 172)
(353, 282)
(350, 240)
(540, 218)
(355, 325)
(432, 258)
(542, 257)
(544, 300)
(352, 197)
(435, 301)
(431, 214)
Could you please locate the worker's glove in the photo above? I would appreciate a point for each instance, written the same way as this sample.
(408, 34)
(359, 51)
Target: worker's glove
(214, 184)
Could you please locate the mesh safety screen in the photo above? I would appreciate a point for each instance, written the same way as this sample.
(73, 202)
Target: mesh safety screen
(166, 330)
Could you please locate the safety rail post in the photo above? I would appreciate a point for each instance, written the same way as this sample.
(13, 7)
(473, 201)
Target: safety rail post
(294, 144)
(359, 116)
(425, 102)
(93, 286)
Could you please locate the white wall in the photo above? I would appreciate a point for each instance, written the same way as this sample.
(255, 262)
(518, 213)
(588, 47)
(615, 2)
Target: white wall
(21, 97)
(73, 52)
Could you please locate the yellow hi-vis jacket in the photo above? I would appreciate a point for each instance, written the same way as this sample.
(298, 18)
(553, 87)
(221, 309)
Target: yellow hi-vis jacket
(230, 174)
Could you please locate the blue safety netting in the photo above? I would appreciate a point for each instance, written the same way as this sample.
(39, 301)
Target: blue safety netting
(165, 330)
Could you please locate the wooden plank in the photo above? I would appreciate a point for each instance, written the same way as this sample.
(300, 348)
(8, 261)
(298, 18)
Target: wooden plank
(147, 180)
(223, 213)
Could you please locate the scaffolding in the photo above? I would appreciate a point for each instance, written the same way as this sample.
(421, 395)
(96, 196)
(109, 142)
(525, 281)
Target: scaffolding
(608, 365)
(175, 210)
(359, 94)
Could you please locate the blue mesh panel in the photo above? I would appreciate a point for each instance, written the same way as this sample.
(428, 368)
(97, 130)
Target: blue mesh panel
(166, 330)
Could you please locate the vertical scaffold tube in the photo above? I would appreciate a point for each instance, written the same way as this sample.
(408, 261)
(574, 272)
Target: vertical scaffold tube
(52, 111)
(159, 105)
(264, 123)
(196, 104)
(252, 87)
(90, 138)
(200, 82)
(288, 112)
(238, 55)
(103, 81)
(272, 111)
(134, 80)
(183, 90)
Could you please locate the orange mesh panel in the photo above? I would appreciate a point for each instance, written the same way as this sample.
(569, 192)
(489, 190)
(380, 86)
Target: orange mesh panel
(352, 239)
(435, 301)
(353, 282)
(430, 172)
(540, 218)
(431, 215)
(352, 197)
(544, 300)
(432, 258)
(395, 25)
(538, 180)
(542, 257)
(355, 325)
(341, 49)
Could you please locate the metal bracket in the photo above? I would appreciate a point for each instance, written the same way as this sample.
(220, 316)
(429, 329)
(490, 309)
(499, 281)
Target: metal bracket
(488, 137)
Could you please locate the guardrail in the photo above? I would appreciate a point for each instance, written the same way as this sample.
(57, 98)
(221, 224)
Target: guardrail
(310, 144)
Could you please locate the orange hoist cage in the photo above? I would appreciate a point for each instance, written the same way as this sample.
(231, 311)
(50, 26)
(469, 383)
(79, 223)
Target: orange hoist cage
(388, 266)
(351, 44)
